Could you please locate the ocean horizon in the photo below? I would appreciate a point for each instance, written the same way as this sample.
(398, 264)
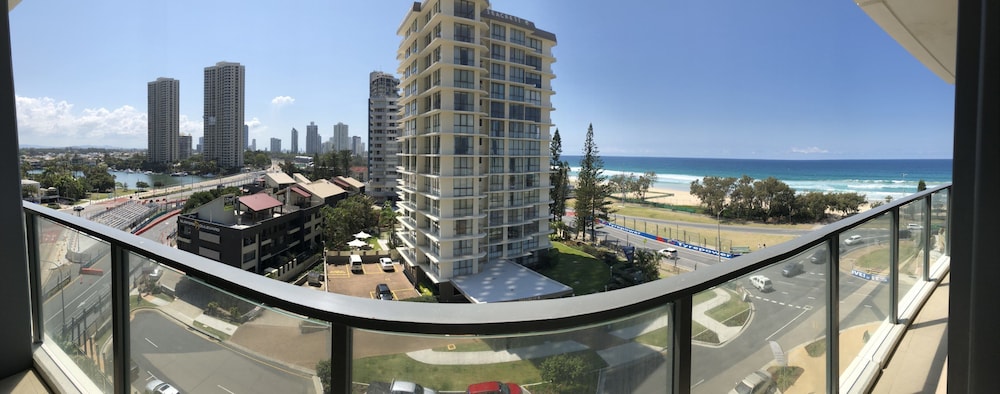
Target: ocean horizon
(875, 178)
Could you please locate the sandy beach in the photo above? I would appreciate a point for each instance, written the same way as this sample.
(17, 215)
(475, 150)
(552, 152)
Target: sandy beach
(671, 196)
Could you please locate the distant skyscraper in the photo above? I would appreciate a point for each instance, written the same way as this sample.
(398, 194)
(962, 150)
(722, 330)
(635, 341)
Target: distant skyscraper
(183, 147)
(340, 139)
(473, 167)
(294, 148)
(201, 142)
(275, 145)
(253, 145)
(314, 144)
(223, 116)
(357, 147)
(382, 133)
(246, 135)
(163, 119)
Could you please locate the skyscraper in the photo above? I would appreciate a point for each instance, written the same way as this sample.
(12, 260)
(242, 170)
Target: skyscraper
(223, 116)
(357, 147)
(314, 144)
(275, 145)
(294, 148)
(246, 135)
(383, 108)
(183, 147)
(475, 134)
(340, 139)
(163, 119)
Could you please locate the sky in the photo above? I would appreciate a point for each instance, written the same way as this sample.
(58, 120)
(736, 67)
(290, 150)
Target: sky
(780, 79)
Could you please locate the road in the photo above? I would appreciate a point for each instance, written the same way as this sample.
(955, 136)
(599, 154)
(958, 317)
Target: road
(164, 349)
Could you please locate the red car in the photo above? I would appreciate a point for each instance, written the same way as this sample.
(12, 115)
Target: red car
(495, 388)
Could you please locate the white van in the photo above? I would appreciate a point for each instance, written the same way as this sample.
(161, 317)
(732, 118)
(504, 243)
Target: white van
(356, 263)
(761, 282)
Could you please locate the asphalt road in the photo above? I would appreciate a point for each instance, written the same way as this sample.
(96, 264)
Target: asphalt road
(165, 350)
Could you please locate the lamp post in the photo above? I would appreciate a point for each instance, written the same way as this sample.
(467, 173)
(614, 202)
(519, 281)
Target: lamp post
(718, 224)
(62, 298)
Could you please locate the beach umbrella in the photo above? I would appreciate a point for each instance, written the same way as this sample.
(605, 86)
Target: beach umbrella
(357, 243)
(362, 235)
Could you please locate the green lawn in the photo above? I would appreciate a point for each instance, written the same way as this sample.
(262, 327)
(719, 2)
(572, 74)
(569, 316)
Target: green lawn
(733, 313)
(878, 259)
(581, 271)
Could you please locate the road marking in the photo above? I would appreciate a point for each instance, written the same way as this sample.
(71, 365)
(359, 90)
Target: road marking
(225, 389)
(811, 297)
(699, 382)
(151, 343)
(786, 325)
(788, 304)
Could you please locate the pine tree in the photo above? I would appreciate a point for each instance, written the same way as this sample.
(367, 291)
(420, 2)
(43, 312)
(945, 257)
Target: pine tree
(558, 179)
(591, 188)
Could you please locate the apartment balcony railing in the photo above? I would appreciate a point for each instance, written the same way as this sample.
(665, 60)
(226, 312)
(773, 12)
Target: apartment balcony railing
(658, 336)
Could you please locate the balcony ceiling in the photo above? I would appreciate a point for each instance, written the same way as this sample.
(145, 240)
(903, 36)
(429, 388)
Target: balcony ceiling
(926, 28)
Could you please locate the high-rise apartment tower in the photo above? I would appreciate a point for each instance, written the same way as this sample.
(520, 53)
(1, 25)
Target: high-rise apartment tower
(314, 144)
(474, 174)
(383, 129)
(163, 120)
(340, 138)
(223, 116)
(294, 148)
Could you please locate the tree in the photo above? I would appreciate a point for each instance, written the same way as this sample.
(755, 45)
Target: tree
(387, 217)
(743, 201)
(712, 191)
(323, 371)
(591, 189)
(558, 179)
(649, 264)
(565, 372)
(350, 216)
(645, 181)
(142, 185)
(921, 186)
(620, 183)
(775, 197)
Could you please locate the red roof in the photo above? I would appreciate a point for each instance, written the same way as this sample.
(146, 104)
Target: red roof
(300, 192)
(259, 202)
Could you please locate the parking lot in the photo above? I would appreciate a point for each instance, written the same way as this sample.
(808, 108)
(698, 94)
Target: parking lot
(341, 280)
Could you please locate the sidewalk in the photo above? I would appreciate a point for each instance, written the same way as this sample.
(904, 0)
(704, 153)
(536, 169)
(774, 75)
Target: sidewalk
(429, 356)
(724, 332)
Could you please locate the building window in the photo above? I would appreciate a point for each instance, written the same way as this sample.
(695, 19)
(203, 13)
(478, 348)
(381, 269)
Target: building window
(463, 267)
(463, 145)
(463, 101)
(465, 56)
(535, 44)
(465, 9)
(516, 93)
(463, 79)
(533, 114)
(517, 74)
(534, 80)
(498, 52)
(498, 32)
(535, 97)
(496, 126)
(534, 62)
(496, 147)
(496, 110)
(497, 72)
(517, 55)
(463, 187)
(516, 111)
(463, 208)
(463, 32)
(497, 90)
(517, 36)
(464, 124)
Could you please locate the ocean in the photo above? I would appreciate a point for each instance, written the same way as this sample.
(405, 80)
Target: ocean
(876, 179)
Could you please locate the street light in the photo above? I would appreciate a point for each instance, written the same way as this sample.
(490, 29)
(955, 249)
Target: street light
(718, 223)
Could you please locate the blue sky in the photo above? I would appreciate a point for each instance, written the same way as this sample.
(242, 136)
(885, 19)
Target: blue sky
(782, 79)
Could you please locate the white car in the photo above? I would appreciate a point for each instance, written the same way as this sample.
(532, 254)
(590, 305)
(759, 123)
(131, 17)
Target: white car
(157, 386)
(669, 253)
(386, 264)
(854, 239)
(761, 282)
(401, 387)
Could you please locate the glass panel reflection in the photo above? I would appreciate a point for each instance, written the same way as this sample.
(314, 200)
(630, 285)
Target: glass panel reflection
(939, 225)
(197, 338)
(626, 356)
(911, 249)
(765, 331)
(76, 299)
(865, 296)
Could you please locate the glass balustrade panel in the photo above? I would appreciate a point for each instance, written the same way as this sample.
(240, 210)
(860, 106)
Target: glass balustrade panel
(865, 297)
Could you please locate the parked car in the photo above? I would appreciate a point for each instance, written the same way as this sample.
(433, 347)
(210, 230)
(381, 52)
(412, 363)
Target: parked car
(914, 226)
(403, 387)
(761, 282)
(157, 386)
(793, 268)
(494, 388)
(854, 239)
(669, 253)
(819, 256)
(382, 292)
(356, 263)
(386, 264)
(754, 383)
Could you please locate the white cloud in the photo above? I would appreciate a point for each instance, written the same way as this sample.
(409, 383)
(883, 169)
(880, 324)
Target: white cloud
(253, 123)
(49, 119)
(192, 127)
(282, 100)
(809, 150)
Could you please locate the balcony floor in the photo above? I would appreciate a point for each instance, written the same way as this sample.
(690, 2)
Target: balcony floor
(920, 362)
(26, 382)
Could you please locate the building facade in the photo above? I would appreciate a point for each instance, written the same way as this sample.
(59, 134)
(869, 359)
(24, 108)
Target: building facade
(184, 147)
(473, 173)
(294, 148)
(223, 116)
(275, 145)
(246, 135)
(383, 130)
(340, 138)
(163, 120)
(357, 147)
(314, 144)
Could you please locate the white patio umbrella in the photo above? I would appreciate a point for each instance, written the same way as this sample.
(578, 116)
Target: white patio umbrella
(362, 235)
(357, 243)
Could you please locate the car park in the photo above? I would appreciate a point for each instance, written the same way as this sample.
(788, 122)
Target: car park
(404, 387)
(852, 240)
(494, 388)
(758, 382)
(761, 282)
(386, 264)
(382, 292)
(157, 386)
(793, 268)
